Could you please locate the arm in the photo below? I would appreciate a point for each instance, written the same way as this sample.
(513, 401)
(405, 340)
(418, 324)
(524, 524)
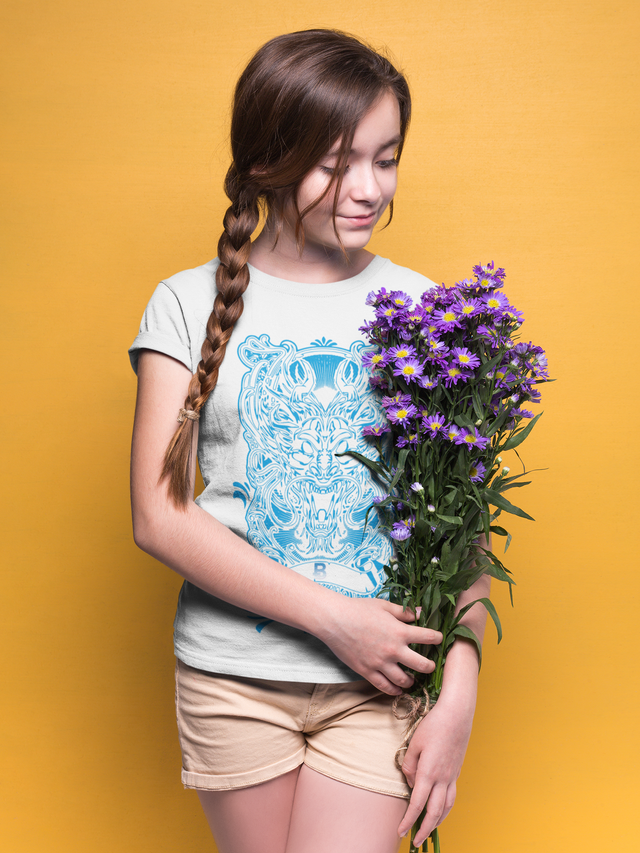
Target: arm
(370, 635)
(434, 758)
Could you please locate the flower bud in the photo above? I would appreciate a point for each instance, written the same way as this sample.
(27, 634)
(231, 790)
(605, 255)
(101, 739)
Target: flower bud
(431, 508)
(479, 422)
(506, 469)
(499, 459)
(417, 487)
(435, 561)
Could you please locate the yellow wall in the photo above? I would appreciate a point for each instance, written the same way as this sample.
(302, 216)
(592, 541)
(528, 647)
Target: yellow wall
(521, 150)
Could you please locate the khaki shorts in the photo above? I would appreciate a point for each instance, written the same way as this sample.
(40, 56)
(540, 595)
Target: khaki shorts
(236, 732)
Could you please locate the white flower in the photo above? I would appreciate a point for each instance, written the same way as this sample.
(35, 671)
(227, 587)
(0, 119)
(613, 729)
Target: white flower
(506, 469)
(499, 459)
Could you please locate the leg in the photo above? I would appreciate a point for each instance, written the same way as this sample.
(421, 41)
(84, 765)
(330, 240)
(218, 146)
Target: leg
(330, 816)
(249, 819)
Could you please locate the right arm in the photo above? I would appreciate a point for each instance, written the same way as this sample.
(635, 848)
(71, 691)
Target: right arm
(371, 636)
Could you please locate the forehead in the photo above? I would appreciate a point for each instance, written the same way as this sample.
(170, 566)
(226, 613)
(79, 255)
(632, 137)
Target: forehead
(378, 129)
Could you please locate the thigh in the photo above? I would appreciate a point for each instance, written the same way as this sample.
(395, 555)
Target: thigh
(329, 816)
(249, 819)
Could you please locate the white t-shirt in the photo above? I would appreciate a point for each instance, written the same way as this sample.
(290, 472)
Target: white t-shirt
(291, 394)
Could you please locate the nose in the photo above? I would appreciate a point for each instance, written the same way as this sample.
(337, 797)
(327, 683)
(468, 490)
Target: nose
(364, 185)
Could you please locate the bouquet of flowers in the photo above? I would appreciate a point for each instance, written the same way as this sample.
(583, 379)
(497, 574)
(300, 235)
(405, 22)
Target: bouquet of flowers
(454, 383)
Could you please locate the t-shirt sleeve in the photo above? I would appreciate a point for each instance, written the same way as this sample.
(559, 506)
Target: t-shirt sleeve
(163, 328)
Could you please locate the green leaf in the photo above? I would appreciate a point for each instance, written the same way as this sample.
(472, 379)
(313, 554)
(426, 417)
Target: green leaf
(467, 633)
(451, 519)
(496, 499)
(499, 531)
(376, 467)
(507, 543)
(519, 437)
(491, 610)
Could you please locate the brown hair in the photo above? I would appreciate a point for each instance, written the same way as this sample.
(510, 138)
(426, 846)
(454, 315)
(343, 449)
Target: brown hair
(300, 95)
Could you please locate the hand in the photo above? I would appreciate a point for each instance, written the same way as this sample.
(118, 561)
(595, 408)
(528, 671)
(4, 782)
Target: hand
(373, 636)
(432, 765)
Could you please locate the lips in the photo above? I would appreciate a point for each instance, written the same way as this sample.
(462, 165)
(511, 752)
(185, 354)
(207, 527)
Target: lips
(360, 218)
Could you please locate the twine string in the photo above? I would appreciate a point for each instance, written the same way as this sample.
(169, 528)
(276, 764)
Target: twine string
(417, 708)
(189, 414)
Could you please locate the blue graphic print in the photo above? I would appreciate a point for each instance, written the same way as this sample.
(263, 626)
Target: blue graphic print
(306, 507)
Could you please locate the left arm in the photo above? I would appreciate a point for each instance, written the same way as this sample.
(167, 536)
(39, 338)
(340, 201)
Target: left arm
(434, 758)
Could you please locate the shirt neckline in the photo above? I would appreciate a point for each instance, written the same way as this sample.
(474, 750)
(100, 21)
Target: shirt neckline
(307, 290)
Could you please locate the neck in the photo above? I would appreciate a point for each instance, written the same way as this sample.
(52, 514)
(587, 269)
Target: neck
(314, 265)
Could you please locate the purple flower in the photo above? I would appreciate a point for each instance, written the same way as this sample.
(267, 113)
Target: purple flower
(397, 400)
(403, 351)
(496, 302)
(428, 383)
(446, 320)
(417, 487)
(378, 429)
(409, 368)
(437, 348)
(472, 438)
(465, 357)
(401, 300)
(453, 375)
(399, 533)
(375, 360)
(477, 472)
(435, 424)
(520, 413)
(452, 432)
(402, 414)
(410, 440)
(469, 307)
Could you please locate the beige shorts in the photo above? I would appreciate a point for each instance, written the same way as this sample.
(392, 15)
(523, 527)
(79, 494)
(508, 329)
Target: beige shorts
(236, 732)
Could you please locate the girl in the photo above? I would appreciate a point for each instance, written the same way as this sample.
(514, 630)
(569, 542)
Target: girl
(287, 663)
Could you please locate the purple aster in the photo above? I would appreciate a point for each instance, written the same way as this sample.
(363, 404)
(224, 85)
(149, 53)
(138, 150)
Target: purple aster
(452, 432)
(520, 413)
(401, 300)
(399, 533)
(477, 472)
(428, 383)
(446, 320)
(453, 375)
(472, 438)
(409, 368)
(378, 429)
(402, 414)
(397, 400)
(375, 360)
(436, 347)
(403, 351)
(465, 357)
(469, 307)
(434, 424)
(410, 440)
(496, 302)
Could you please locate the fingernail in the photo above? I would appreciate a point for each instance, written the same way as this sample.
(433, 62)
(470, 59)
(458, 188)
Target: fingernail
(403, 834)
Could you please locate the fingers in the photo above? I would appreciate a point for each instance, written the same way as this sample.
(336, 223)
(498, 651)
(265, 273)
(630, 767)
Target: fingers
(436, 799)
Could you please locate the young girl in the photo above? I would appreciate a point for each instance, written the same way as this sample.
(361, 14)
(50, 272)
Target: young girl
(287, 663)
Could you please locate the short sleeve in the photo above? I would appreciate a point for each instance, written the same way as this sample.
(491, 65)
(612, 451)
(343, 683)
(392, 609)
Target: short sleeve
(163, 328)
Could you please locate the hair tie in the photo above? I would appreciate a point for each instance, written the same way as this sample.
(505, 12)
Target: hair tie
(188, 414)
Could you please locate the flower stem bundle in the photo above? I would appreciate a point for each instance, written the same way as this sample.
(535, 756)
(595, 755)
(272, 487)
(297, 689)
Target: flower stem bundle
(454, 383)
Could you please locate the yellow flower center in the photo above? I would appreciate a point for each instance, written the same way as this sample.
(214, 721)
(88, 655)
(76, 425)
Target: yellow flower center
(453, 371)
(493, 303)
(473, 472)
(500, 374)
(467, 309)
(408, 370)
(376, 359)
(463, 359)
(402, 413)
(402, 353)
(470, 439)
(449, 317)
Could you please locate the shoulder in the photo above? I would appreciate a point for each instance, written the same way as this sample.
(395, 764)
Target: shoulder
(194, 287)
(395, 277)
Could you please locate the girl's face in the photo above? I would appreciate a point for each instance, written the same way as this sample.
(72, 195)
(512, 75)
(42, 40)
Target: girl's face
(368, 185)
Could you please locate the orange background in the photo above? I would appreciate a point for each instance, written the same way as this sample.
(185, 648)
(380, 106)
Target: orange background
(523, 149)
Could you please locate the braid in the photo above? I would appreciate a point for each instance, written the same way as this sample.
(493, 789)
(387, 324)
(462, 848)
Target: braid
(232, 279)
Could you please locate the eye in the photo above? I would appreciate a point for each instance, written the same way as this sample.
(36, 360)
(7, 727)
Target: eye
(387, 164)
(329, 170)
